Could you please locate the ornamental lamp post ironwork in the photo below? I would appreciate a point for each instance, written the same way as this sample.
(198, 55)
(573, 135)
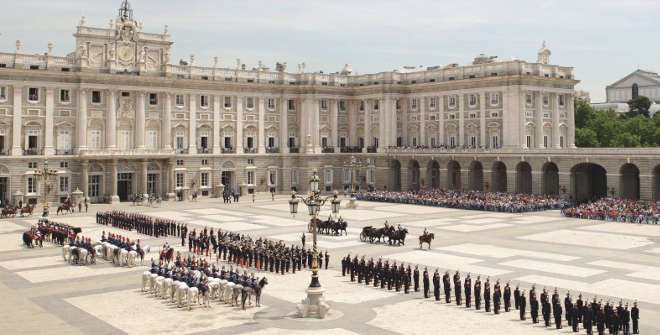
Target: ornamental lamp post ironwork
(44, 173)
(314, 305)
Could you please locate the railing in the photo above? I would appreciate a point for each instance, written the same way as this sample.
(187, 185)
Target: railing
(294, 150)
(229, 150)
(272, 150)
(372, 149)
(181, 151)
(32, 152)
(328, 150)
(250, 150)
(203, 150)
(63, 152)
(350, 149)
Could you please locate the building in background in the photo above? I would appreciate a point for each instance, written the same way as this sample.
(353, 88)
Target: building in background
(637, 83)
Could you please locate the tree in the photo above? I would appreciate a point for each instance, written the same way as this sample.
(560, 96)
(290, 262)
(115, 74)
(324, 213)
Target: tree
(639, 106)
(586, 138)
(583, 113)
(626, 140)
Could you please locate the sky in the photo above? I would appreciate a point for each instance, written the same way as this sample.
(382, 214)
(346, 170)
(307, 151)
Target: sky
(604, 40)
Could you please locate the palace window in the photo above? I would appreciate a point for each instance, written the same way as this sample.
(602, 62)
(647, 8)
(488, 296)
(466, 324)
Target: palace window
(65, 96)
(95, 139)
(152, 139)
(227, 102)
(204, 141)
(250, 142)
(324, 142)
(32, 165)
(31, 185)
(250, 103)
(179, 140)
(250, 177)
(473, 115)
(96, 97)
(94, 186)
(270, 103)
(271, 141)
(561, 141)
(473, 141)
(328, 177)
(324, 104)
(528, 99)
(452, 141)
(64, 184)
(179, 100)
(545, 141)
(294, 177)
(433, 102)
(204, 179)
(33, 94)
(451, 102)
(495, 141)
(546, 100)
(472, 99)
(203, 100)
(562, 101)
(179, 162)
(3, 93)
(64, 140)
(272, 177)
(529, 141)
(291, 104)
(153, 99)
(64, 165)
(179, 180)
(361, 106)
(413, 103)
(376, 105)
(494, 99)
(342, 105)
(205, 162)
(227, 142)
(125, 139)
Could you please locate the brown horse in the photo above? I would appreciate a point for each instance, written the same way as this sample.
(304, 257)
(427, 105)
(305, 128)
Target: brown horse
(9, 210)
(27, 210)
(426, 238)
(65, 208)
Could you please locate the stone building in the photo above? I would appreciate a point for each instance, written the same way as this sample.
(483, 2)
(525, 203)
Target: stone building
(117, 117)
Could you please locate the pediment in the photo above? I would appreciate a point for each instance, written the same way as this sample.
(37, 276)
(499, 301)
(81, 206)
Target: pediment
(640, 78)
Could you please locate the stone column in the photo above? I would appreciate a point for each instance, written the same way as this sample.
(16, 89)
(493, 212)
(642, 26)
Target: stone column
(568, 100)
(382, 124)
(114, 198)
(405, 105)
(555, 121)
(166, 125)
(284, 123)
(522, 117)
(538, 121)
(171, 194)
(422, 105)
(367, 125)
(143, 179)
(316, 125)
(217, 115)
(84, 182)
(111, 121)
(441, 120)
(261, 140)
(49, 149)
(334, 122)
(482, 119)
(17, 124)
(140, 120)
(239, 124)
(192, 125)
(392, 123)
(460, 100)
(352, 122)
(82, 121)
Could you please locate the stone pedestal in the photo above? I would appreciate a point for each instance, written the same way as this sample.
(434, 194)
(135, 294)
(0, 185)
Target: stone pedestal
(314, 306)
(171, 196)
(114, 199)
(352, 202)
(18, 197)
(77, 197)
(218, 190)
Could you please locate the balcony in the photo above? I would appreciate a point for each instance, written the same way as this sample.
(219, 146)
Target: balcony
(294, 150)
(372, 149)
(64, 152)
(203, 150)
(350, 149)
(328, 150)
(250, 150)
(181, 151)
(272, 150)
(228, 150)
(31, 152)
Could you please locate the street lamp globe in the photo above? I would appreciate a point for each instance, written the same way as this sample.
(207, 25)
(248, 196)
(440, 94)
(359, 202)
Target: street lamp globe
(313, 207)
(293, 204)
(314, 183)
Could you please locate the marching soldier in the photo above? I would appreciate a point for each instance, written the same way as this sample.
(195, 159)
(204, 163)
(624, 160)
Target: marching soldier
(587, 318)
(487, 295)
(507, 297)
(447, 286)
(436, 285)
(634, 315)
(497, 297)
(521, 304)
(426, 283)
(545, 307)
(625, 323)
(600, 321)
(556, 310)
(468, 290)
(416, 278)
(477, 293)
(568, 306)
(533, 306)
(516, 297)
(574, 317)
(457, 288)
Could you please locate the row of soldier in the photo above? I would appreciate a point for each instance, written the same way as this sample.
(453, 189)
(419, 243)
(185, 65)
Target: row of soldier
(615, 320)
(142, 224)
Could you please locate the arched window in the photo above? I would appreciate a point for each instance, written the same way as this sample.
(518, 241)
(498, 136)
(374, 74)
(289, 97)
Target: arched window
(635, 91)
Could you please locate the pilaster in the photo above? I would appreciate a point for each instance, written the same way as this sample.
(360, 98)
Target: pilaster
(111, 121)
(166, 126)
(482, 119)
(82, 121)
(261, 146)
(17, 122)
(49, 149)
(239, 124)
(140, 120)
(192, 125)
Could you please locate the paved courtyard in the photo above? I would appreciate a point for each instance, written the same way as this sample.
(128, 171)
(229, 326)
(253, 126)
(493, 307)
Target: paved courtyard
(42, 294)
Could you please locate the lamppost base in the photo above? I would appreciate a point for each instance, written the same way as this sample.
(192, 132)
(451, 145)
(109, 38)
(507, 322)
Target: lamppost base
(314, 306)
(114, 199)
(352, 202)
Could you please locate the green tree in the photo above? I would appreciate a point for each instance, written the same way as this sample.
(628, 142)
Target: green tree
(605, 124)
(586, 138)
(626, 140)
(583, 113)
(639, 106)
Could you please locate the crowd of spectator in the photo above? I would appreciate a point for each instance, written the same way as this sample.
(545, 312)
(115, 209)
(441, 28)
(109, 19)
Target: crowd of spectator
(617, 210)
(474, 200)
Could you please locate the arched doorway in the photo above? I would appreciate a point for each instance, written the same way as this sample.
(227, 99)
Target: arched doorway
(523, 178)
(4, 185)
(395, 175)
(656, 183)
(433, 174)
(588, 182)
(550, 178)
(413, 175)
(498, 179)
(476, 176)
(629, 181)
(453, 175)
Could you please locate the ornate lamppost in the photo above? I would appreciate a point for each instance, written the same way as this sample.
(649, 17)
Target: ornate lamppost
(314, 305)
(44, 173)
(353, 165)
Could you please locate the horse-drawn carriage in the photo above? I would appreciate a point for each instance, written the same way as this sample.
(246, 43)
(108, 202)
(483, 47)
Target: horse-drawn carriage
(9, 211)
(395, 236)
(329, 226)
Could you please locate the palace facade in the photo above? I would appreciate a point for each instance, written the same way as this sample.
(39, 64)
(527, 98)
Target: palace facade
(117, 117)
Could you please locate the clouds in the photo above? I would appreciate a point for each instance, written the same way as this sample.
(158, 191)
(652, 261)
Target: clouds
(603, 40)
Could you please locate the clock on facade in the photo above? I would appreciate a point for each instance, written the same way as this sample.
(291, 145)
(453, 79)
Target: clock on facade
(125, 54)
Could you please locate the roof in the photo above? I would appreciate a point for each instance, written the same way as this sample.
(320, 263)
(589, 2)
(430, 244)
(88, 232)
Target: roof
(646, 74)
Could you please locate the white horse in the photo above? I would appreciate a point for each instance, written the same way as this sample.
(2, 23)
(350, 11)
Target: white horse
(193, 294)
(235, 294)
(181, 293)
(82, 255)
(66, 252)
(146, 279)
(226, 294)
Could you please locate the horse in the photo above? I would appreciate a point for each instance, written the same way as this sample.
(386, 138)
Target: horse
(257, 291)
(9, 210)
(65, 208)
(166, 255)
(237, 289)
(146, 278)
(28, 238)
(426, 238)
(397, 237)
(27, 210)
